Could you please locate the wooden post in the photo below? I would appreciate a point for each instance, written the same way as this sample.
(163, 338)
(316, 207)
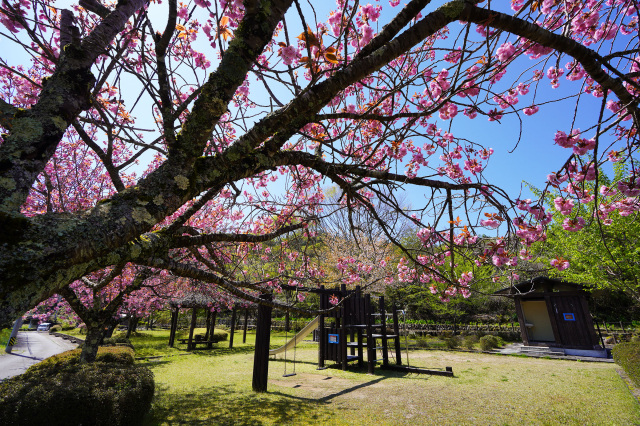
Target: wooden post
(174, 326)
(371, 351)
(357, 318)
(233, 326)
(396, 331)
(207, 332)
(212, 321)
(244, 330)
(321, 332)
(524, 334)
(261, 354)
(343, 327)
(194, 314)
(383, 332)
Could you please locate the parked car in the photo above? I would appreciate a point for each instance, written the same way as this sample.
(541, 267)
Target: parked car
(45, 326)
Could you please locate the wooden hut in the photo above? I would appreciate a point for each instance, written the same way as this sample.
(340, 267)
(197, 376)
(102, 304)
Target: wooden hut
(555, 314)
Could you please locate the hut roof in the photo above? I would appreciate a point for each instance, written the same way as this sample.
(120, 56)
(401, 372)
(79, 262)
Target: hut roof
(539, 284)
(193, 300)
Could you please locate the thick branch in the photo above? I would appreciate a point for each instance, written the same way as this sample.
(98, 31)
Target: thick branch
(251, 37)
(95, 6)
(198, 240)
(36, 132)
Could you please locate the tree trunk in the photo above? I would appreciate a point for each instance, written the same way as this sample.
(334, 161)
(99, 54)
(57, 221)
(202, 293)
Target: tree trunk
(110, 329)
(133, 324)
(95, 335)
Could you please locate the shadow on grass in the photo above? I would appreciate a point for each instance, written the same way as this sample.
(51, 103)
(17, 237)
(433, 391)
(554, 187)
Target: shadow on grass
(223, 350)
(224, 405)
(291, 361)
(328, 398)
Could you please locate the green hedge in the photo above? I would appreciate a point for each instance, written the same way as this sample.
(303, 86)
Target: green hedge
(627, 355)
(489, 342)
(62, 391)
(220, 335)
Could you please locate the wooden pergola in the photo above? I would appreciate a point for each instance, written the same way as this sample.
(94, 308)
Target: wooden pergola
(195, 301)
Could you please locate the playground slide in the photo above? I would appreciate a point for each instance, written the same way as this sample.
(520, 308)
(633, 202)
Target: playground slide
(298, 337)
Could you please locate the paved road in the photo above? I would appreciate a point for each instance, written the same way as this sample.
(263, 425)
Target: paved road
(31, 348)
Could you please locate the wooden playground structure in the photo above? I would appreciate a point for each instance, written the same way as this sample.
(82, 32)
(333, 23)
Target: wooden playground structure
(357, 326)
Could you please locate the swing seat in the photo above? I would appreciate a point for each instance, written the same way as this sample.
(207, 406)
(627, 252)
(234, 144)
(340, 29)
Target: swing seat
(289, 375)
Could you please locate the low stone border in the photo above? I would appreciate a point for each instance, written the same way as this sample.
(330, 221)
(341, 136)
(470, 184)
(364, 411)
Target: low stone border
(72, 339)
(632, 387)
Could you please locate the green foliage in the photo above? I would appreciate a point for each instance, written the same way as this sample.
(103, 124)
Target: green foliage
(489, 342)
(602, 255)
(469, 342)
(613, 306)
(427, 342)
(627, 355)
(219, 335)
(56, 329)
(422, 305)
(452, 342)
(108, 354)
(63, 391)
(117, 341)
(5, 333)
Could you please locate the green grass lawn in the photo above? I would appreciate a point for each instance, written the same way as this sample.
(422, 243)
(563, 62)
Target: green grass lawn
(214, 387)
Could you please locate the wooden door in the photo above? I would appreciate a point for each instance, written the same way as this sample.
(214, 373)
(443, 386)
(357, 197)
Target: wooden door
(575, 327)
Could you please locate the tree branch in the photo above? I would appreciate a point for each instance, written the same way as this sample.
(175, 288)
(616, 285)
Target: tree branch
(590, 60)
(187, 241)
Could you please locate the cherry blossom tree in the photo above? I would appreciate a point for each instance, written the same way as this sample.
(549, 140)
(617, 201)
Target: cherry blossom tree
(357, 251)
(185, 137)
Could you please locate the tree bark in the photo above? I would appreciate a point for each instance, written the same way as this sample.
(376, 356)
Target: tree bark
(95, 336)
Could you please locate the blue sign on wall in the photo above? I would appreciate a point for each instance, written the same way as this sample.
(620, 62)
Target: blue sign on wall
(334, 338)
(569, 317)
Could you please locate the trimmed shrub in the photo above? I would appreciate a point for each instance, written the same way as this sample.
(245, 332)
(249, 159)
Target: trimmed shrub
(62, 391)
(108, 354)
(510, 336)
(219, 335)
(56, 329)
(117, 341)
(627, 356)
(489, 342)
(452, 342)
(470, 341)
